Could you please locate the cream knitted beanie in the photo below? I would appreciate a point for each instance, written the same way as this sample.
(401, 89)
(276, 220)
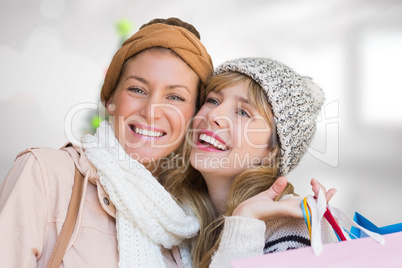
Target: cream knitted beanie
(295, 102)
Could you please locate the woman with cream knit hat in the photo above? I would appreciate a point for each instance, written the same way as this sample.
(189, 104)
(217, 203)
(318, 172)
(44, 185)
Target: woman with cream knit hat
(125, 218)
(256, 123)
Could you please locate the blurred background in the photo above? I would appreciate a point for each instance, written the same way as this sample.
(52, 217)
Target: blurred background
(54, 54)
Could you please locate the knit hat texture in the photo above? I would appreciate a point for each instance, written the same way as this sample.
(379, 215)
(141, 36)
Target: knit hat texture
(178, 39)
(295, 101)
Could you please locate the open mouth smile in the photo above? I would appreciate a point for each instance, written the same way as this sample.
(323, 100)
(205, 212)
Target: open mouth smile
(212, 142)
(147, 132)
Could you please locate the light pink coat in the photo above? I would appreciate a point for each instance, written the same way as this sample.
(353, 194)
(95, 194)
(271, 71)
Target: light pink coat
(34, 199)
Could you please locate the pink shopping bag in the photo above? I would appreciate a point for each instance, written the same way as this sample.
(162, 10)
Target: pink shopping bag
(363, 252)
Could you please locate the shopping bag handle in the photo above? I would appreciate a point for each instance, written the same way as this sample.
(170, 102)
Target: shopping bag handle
(318, 207)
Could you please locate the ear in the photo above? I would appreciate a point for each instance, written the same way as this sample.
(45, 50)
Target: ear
(110, 106)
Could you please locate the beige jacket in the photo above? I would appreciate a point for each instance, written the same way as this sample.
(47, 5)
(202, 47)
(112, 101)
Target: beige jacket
(34, 199)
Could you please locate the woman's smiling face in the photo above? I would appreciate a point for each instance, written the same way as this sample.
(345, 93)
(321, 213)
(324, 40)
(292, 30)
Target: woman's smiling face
(230, 135)
(153, 102)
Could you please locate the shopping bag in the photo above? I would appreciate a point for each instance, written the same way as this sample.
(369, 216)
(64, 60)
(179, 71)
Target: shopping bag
(371, 251)
(364, 252)
(362, 221)
(319, 209)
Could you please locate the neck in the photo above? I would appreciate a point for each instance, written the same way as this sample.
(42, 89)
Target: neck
(218, 189)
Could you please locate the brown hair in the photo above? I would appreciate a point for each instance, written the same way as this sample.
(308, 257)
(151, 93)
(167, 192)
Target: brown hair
(187, 185)
(176, 22)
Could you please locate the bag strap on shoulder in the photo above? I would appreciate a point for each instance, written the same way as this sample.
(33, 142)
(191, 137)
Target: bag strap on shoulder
(68, 226)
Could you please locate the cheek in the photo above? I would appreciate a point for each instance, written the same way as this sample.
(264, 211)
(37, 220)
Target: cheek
(258, 139)
(180, 120)
(196, 123)
(119, 104)
(201, 117)
(258, 134)
(188, 113)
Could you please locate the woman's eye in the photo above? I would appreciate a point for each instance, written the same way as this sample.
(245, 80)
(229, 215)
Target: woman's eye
(242, 112)
(176, 97)
(212, 101)
(136, 90)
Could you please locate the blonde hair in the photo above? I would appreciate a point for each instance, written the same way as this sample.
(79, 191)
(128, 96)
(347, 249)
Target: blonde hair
(187, 185)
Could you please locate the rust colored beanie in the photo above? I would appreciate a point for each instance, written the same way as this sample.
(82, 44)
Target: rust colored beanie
(181, 41)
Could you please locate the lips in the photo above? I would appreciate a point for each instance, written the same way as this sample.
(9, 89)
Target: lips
(211, 140)
(144, 131)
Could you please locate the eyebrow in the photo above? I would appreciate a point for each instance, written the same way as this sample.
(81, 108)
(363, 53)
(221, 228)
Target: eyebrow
(241, 99)
(238, 98)
(142, 80)
(138, 78)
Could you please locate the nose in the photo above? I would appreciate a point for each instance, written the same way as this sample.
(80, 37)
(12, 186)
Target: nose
(219, 116)
(151, 109)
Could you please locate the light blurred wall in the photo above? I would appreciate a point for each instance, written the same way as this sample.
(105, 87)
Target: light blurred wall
(53, 55)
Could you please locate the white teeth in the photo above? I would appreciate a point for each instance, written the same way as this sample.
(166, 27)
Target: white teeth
(147, 132)
(213, 141)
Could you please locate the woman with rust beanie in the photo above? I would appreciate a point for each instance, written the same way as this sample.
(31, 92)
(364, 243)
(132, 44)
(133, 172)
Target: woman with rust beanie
(126, 218)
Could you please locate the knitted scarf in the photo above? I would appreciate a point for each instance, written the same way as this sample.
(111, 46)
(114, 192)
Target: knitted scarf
(147, 217)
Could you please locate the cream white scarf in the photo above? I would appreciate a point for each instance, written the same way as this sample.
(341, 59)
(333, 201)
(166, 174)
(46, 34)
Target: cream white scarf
(147, 217)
